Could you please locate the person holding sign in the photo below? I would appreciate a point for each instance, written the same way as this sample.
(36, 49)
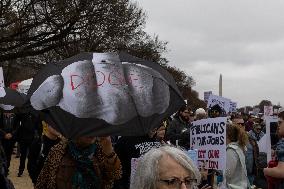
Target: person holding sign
(132, 147)
(166, 167)
(236, 172)
(178, 129)
(277, 172)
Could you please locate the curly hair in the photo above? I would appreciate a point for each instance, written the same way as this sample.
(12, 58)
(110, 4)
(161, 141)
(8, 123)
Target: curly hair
(237, 134)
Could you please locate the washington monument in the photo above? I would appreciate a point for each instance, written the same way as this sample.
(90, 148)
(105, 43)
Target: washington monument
(220, 85)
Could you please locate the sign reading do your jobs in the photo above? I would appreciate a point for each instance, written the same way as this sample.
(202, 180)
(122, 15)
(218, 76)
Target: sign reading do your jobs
(209, 137)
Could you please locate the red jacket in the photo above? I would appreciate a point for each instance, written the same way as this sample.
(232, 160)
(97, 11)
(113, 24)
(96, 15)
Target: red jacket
(272, 182)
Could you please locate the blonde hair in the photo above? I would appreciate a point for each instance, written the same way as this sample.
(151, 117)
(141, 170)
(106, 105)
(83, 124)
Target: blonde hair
(237, 134)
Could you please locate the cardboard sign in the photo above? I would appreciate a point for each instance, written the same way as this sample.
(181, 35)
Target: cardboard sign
(209, 137)
(224, 103)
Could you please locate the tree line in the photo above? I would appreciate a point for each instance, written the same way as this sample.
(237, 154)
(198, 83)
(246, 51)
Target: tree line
(36, 32)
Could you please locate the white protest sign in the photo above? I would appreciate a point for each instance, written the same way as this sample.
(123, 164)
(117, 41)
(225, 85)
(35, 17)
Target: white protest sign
(6, 107)
(134, 163)
(233, 106)
(268, 110)
(193, 154)
(1, 78)
(271, 136)
(206, 95)
(2, 92)
(224, 103)
(209, 137)
(262, 144)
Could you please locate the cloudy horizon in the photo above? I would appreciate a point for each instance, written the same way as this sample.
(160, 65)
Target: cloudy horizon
(242, 40)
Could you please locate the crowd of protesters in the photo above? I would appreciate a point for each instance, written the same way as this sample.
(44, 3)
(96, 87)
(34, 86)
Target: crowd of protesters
(106, 162)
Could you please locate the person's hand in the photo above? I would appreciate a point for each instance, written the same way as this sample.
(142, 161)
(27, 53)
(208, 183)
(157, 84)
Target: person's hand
(206, 187)
(204, 173)
(8, 136)
(265, 170)
(106, 145)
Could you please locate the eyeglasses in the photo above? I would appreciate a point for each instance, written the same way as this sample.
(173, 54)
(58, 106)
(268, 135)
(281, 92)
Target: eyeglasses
(175, 183)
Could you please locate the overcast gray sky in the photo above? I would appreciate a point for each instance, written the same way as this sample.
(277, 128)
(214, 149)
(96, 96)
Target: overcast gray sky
(242, 39)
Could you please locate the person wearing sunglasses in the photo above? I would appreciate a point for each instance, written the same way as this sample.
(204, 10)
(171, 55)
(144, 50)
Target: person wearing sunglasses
(256, 133)
(166, 167)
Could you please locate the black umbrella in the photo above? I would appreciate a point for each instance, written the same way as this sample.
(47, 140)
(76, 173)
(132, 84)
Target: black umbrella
(99, 94)
(12, 97)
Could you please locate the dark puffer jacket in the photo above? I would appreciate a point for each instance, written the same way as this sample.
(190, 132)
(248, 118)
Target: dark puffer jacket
(178, 130)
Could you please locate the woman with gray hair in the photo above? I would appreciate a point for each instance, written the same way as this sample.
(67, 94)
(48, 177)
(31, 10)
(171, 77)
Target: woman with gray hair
(166, 168)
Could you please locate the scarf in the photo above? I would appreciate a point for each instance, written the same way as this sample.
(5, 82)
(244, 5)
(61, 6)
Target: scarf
(84, 176)
(47, 176)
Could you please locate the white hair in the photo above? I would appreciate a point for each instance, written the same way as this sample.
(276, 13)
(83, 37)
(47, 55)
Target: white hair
(200, 111)
(147, 171)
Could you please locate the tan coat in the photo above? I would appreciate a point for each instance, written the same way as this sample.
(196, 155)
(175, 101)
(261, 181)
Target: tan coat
(59, 168)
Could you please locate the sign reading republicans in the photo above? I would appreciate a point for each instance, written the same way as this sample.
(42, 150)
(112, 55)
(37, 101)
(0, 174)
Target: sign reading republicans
(209, 137)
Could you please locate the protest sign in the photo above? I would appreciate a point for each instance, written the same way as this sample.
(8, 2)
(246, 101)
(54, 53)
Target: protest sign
(233, 106)
(262, 144)
(268, 110)
(209, 137)
(224, 103)
(193, 154)
(134, 163)
(206, 95)
(1, 78)
(271, 123)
